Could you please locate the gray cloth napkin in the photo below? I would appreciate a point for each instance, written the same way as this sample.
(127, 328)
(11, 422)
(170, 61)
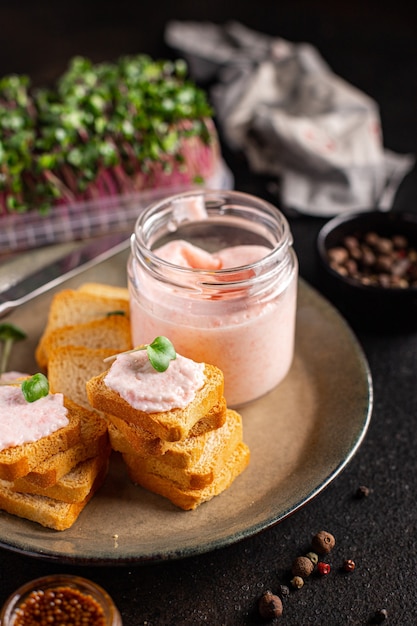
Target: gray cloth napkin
(293, 118)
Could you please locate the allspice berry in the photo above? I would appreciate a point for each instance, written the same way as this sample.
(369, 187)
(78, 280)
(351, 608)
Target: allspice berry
(269, 605)
(302, 566)
(323, 542)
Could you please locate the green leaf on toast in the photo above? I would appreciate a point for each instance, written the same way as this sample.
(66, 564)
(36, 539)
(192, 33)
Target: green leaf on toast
(35, 387)
(160, 353)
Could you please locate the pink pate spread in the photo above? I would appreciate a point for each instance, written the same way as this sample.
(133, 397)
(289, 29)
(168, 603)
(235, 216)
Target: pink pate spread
(24, 422)
(136, 381)
(236, 339)
(185, 254)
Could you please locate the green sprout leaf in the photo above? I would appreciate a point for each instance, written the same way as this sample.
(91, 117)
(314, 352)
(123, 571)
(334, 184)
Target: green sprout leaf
(9, 333)
(100, 123)
(35, 387)
(160, 353)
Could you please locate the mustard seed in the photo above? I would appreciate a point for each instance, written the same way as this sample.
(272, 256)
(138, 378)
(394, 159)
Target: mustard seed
(63, 605)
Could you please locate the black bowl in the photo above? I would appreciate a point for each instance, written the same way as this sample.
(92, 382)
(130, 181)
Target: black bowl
(360, 297)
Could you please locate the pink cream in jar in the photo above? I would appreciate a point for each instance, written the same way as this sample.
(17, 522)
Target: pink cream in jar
(216, 273)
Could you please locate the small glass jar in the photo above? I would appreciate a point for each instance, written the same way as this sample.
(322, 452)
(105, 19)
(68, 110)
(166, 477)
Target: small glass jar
(45, 597)
(240, 317)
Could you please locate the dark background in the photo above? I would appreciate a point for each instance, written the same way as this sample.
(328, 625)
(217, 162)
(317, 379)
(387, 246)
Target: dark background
(370, 43)
(373, 46)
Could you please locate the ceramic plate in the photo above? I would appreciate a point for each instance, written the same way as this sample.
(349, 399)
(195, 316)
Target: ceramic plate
(301, 436)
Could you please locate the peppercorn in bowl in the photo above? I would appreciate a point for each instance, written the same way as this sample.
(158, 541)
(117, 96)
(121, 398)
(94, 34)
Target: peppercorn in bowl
(369, 267)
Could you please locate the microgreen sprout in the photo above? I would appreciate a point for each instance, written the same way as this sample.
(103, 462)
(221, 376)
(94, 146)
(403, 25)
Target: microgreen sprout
(95, 131)
(160, 353)
(9, 333)
(33, 388)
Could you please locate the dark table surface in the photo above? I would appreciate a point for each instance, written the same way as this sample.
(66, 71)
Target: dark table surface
(373, 46)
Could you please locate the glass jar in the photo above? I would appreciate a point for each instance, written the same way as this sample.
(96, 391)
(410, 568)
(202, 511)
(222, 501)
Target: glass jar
(90, 603)
(239, 316)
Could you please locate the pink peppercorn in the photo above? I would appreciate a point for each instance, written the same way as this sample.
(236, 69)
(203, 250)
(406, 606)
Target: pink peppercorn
(323, 568)
(349, 565)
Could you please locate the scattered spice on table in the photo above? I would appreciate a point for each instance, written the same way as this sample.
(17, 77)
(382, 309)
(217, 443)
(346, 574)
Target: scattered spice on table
(323, 568)
(302, 566)
(323, 542)
(270, 605)
(349, 565)
(362, 492)
(379, 616)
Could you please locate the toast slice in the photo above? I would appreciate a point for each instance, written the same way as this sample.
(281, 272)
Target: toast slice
(70, 367)
(132, 439)
(217, 448)
(94, 441)
(188, 499)
(103, 290)
(72, 306)
(112, 331)
(48, 512)
(73, 486)
(18, 461)
(173, 425)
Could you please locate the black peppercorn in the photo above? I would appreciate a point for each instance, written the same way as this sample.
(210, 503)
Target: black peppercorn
(379, 616)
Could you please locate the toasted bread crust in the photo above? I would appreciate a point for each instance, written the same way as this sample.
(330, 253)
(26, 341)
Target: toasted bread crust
(111, 332)
(188, 499)
(131, 438)
(18, 461)
(48, 512)
(173, 425)
(72, 306)
(75, 485)
(93, 441)
(214, 452)
(69, 368)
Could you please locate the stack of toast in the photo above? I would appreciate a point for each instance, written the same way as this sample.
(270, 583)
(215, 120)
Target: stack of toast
(51, 480)
(187, 455)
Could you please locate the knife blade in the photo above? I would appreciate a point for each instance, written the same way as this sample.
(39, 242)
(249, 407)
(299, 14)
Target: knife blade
(63, 268)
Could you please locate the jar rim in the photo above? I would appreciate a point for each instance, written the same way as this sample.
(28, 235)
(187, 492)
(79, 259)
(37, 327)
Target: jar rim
(241, 200)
